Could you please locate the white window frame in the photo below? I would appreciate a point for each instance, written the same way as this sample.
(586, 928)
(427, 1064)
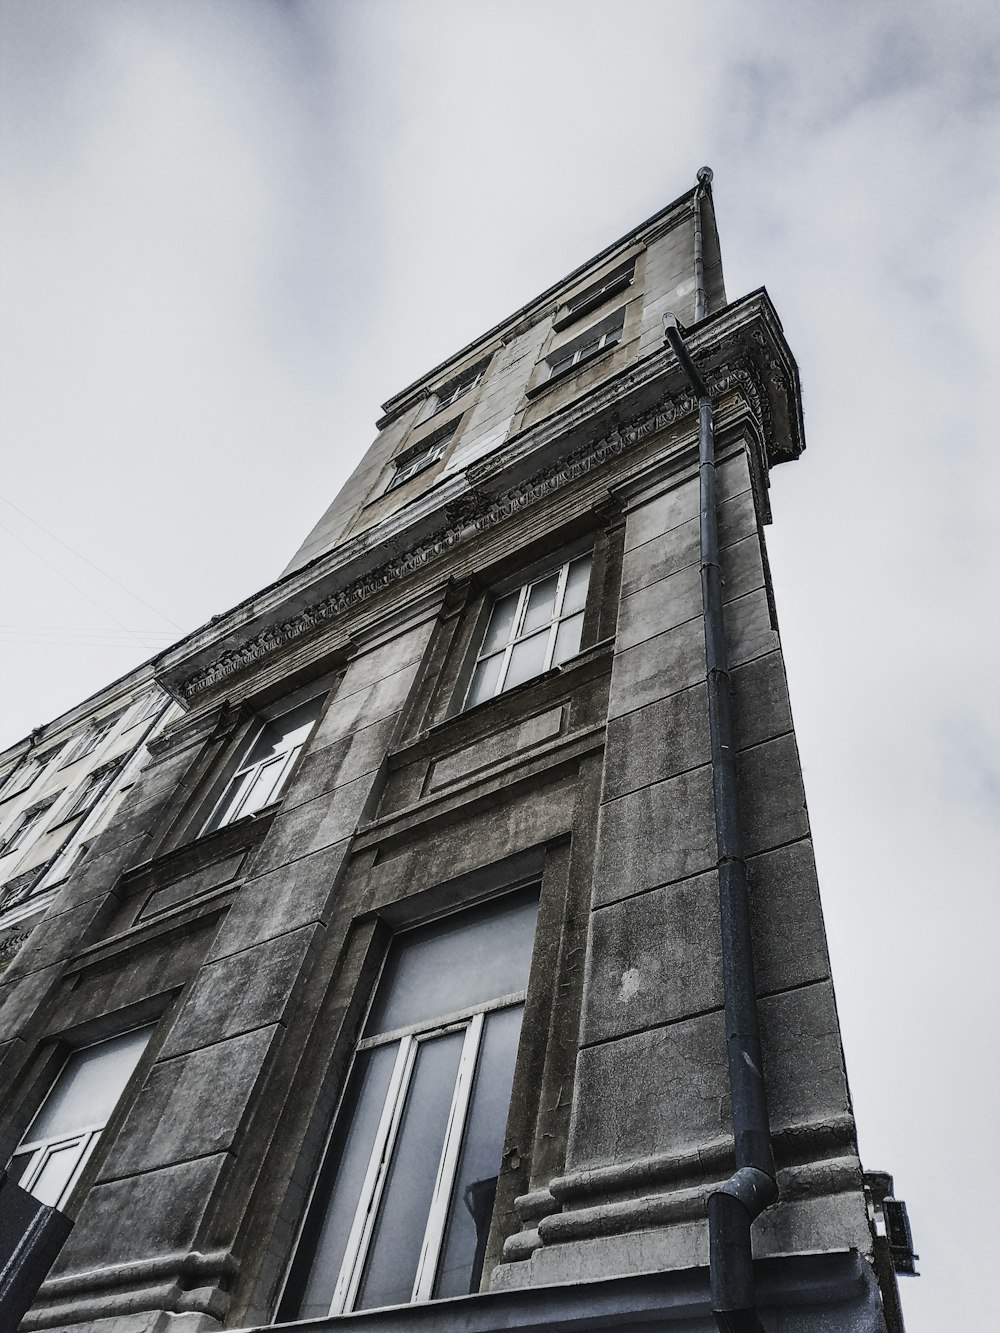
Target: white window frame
(516, 635)
(83, 1139)
(92, 738)
(561, 360)
(145, 708)
(92, 788)
(23, 774)
(380, 1160)
(239, 786)
(412, 464)
(27, 821)
(621, 276)
(460, 385)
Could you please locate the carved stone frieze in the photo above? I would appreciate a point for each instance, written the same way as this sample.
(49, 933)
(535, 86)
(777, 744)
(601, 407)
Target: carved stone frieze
(470, 516)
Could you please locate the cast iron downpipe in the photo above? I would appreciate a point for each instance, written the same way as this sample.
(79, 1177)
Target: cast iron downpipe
(735, 1205)
(700, 296)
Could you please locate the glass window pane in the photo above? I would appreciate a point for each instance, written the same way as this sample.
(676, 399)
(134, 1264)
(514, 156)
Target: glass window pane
(541, 601)
(279, 736)
(568, 638)
(498, 631)
(527, 659)
(227, 809)
(263, 786)
(577, 579)
(343, 1174)
(460, 961)
(60, 1163)
(399, 1230)
(90, 1084)
(471, 1208)
(484, 680)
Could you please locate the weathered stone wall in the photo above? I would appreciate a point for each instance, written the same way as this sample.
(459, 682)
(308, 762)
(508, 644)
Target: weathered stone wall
(255, 948)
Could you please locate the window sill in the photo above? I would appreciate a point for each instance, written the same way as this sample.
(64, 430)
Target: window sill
(69, 819)
(572, 664)
(537, 390)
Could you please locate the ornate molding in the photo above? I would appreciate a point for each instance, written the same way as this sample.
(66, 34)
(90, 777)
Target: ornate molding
(468, 517)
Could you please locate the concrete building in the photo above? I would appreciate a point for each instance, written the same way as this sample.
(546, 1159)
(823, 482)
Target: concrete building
(400, 971)
(59, 787)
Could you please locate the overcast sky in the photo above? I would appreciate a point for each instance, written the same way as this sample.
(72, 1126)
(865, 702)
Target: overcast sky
(232, 228)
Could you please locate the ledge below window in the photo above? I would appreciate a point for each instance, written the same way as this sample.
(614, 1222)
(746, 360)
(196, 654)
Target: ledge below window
(536, 390)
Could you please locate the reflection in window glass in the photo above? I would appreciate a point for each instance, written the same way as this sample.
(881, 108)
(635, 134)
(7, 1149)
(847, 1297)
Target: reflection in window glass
(470, 1209)
(531, 630)
(404, 1201)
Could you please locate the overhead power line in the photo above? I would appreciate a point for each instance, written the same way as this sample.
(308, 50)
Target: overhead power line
(76, 588)
(87, 561)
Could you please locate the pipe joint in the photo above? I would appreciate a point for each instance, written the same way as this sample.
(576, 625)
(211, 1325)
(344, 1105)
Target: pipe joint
(752, 1188)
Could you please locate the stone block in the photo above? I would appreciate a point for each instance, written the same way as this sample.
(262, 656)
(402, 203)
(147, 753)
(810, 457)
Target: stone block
(737, 519)
(656, 742)
(657, 668)
(57, 937)
(240, 993)
(317, 824)
(653, 959)
(660, 556)
(655, 835)
(760, 700)
(659, 607)
(201, 881)
(190, 1106)
(378, 664)
(21, 997)
(140, 1217)
(789, 942)
(487, 833)
(349, 757)
(815, 1225)
(99, 872)
(749, 632)
(495, 748)
(662, 514)
(771, 795)
(272, 904)
(803, 1060)
(359, 709)
(742, 568)
(665, 1090)
(680, 504)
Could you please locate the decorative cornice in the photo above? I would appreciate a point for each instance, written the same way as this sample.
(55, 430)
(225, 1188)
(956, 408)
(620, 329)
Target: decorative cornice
(468, 517)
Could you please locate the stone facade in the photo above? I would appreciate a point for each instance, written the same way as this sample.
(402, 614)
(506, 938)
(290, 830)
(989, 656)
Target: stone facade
(252, 951)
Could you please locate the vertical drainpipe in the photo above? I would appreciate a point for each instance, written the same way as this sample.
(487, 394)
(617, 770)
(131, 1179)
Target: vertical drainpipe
(735, 1205)
(700, 296)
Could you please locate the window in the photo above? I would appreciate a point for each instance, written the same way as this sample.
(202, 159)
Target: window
(404, 1200)
(145, 708)
(64, 1133)
(459, 386)
(530, 630)
(425, 456)
(593, 296)
(586, 345)
(25, 825)
(265, 770)
(88, 742)
(93, 788)
(23, 775)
